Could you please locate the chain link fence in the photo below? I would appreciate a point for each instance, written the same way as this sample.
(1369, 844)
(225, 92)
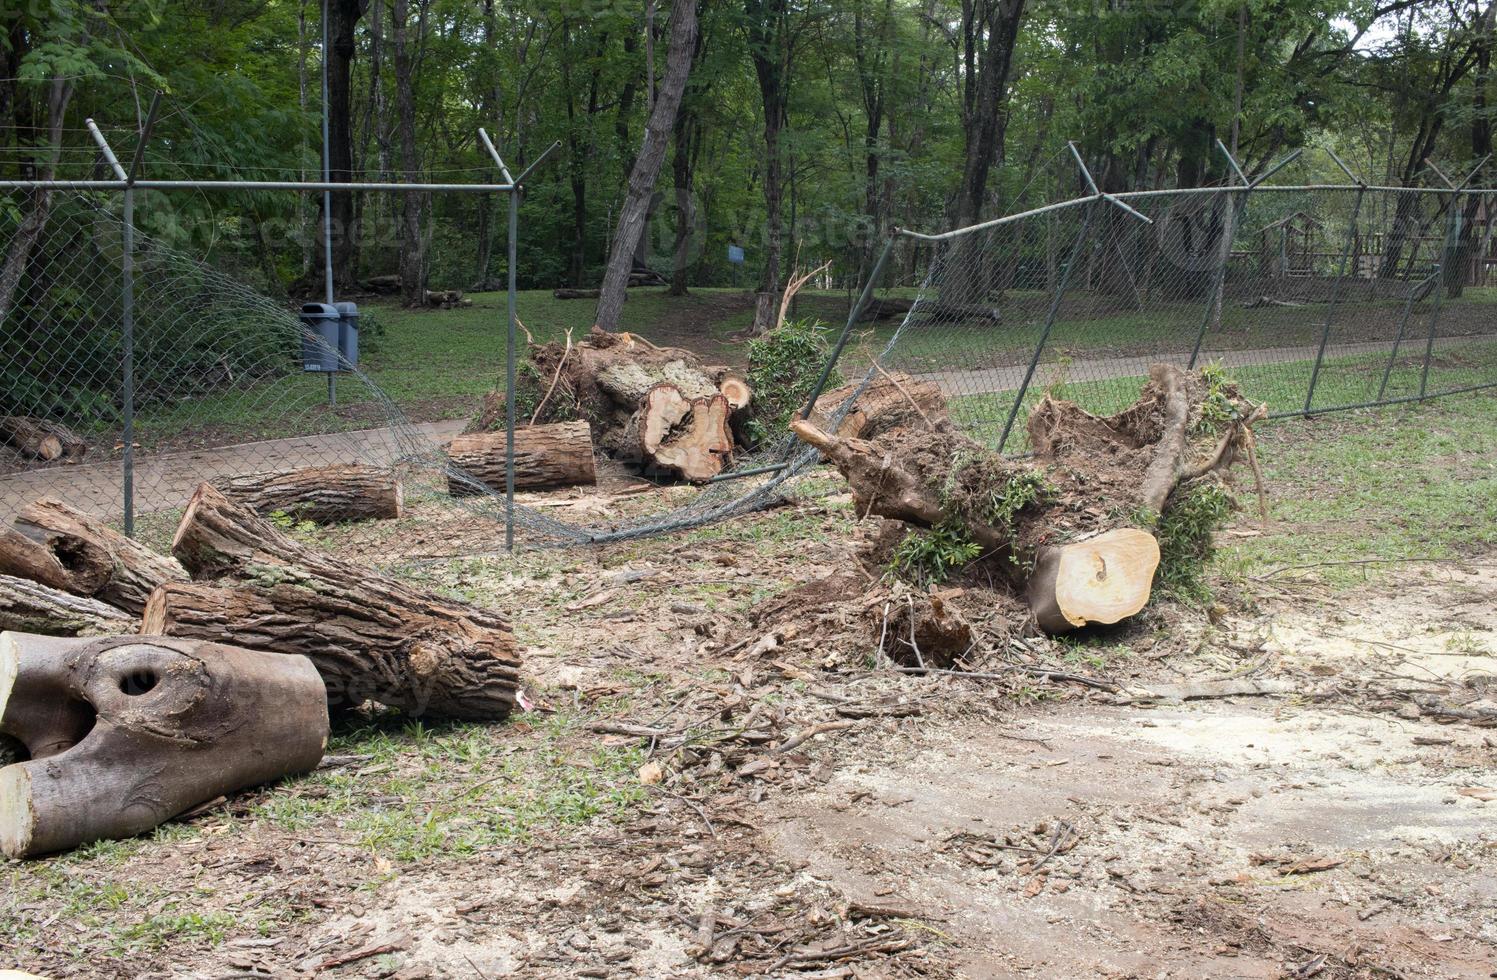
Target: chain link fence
(1313, 298)
(218, 383)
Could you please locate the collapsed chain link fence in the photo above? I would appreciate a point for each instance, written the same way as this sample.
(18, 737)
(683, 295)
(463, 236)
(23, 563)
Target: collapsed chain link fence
(1312, 298)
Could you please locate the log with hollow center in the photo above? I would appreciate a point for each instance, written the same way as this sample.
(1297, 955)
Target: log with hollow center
(124, 733)
(61, 547)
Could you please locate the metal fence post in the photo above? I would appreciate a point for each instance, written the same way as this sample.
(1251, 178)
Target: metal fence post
(509, 379)
(1336, 288)
(1451, 223)
(127, 304)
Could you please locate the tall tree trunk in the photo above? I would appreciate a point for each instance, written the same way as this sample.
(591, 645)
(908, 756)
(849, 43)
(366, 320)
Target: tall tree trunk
(989, 31)
(646, 170)
(1458, 265)
(688, 140)
(343, 19)
(412, 239)
(770, 49)
(18, 254)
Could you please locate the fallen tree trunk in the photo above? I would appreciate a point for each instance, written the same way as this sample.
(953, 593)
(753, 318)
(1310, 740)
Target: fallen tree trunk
(613, 382)
(371, 637)
(546, 456)
(891, 401)
(322, 494)
(566, 293)
(66, 549)
(125, 733)
(41, 439)
(31, 607)
(1057, 526)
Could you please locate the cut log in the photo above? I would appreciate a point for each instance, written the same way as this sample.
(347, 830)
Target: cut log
(566, 293)
(627, 382)
(546, 456)
(1051, 525)
(41, 439)
(734, 385)
(889, 402)
(1104, 580)
(370, 636)
(124, 733)
(66, 549)
(322, 494)
(31, 607)
(683, 436)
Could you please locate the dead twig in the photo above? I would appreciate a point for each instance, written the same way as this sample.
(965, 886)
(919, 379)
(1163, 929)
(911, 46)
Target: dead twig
(354, 957)
(820, 728)
(554, 378)
(903, 391)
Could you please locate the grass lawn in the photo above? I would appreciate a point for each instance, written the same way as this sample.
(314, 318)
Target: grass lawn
(1342, 381)
(437, 364)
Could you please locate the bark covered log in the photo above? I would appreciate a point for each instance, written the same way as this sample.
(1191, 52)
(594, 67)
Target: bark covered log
(41, 439)
(124, 733)
(322, 494)
(370, 636)
(1072, 526)
(605, 379)
(546, 456)
(66, 549)
(889, 402)
(31, 607)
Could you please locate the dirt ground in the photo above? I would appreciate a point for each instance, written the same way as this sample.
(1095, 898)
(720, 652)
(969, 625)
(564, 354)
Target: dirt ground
(697, 791)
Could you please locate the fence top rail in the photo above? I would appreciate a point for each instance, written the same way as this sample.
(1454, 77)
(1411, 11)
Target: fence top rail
(253, 185)
(1184, 192)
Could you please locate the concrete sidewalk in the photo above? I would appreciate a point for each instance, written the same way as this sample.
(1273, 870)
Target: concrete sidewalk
(167, 480)
(990, 380)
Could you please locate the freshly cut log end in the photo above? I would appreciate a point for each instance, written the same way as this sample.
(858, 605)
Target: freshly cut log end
(372, 637)
(685, 436)
(734, 385)
(171, 724)
(31, 607)
(546, 456)
(1102, 580)
(321, 494)
(41, 439)
(66, 549)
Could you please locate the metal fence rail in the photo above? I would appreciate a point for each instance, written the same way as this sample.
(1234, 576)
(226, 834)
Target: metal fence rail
(1315, 298)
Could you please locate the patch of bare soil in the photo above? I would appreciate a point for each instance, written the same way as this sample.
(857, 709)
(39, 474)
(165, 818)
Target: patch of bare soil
(689, 321)
(772, 799)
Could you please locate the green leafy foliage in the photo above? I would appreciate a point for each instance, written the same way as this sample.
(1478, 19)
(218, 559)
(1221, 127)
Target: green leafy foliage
(1217, 408)
(783, 367)
(926, 558)
(1186, 534)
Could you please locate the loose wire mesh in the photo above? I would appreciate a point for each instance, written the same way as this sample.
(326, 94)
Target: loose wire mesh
(1313, 299)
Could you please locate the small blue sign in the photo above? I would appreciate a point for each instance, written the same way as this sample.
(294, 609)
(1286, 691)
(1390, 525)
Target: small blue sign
(735, 254)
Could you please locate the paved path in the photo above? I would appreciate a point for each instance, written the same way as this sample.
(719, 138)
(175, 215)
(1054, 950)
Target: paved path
(167, 480)
(988, 380)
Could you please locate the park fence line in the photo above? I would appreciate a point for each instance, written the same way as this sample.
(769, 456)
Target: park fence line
(1317, 298)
